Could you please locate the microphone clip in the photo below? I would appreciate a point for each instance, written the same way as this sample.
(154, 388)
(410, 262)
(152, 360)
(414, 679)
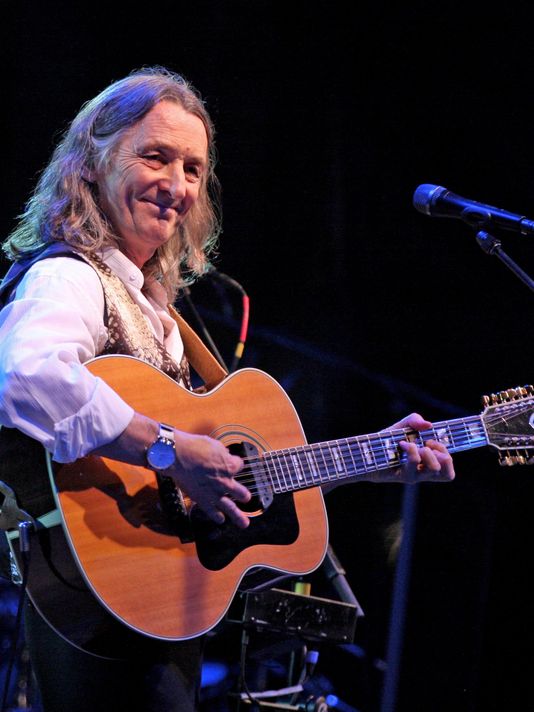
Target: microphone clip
(11, 515)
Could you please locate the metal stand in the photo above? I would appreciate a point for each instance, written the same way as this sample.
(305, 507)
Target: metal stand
(400, 596)
(492, 246)
(14, 518)
(335, 573)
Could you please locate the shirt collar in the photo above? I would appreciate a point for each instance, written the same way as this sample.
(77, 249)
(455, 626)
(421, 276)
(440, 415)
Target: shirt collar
(123, 267)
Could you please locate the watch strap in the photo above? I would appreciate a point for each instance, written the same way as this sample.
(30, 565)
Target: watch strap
(166, 432)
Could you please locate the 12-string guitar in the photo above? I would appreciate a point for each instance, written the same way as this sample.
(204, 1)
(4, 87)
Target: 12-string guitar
(150, 558)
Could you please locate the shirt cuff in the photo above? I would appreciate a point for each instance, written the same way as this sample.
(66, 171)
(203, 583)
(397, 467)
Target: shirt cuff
(97, 423)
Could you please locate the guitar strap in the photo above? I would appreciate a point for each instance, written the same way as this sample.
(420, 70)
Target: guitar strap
(198, 355)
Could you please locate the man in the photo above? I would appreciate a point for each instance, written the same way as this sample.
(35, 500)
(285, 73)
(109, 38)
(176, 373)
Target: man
(125, 212)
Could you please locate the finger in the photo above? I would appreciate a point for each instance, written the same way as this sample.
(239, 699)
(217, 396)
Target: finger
(447, 469)
(447, 464)
(424, 457)
(421, 463)
(240, 493)
(412, 452)
(436, 445)
(443, 473)
(409, 471)
(233, 463)
(445, 459)
(226, 483)
(414, 421)
(215, 514)
(233, 489)
(429, 459)
(234, 514)
(432, 462)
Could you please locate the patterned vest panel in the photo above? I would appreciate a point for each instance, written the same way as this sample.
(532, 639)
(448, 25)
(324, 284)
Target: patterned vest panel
(128, 331)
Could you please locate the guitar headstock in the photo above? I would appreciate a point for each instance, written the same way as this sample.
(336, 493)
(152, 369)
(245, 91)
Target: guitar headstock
(508, 419)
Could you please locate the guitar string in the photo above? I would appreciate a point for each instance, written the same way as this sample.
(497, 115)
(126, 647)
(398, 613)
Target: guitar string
(458, 424)
(317, 473)
(379, 438)
(457, 431)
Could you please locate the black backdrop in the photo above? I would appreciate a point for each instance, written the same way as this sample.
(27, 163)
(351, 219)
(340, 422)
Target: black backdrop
(328, 118)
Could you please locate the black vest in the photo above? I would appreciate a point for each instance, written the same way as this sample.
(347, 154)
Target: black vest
(22, 459)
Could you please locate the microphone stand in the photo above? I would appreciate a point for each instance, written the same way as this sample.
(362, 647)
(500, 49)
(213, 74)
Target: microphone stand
(203, 328)
(336, 574)
(12, 517)
(492, 246)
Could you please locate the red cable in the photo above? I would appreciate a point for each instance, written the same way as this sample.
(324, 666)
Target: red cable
(244, 320)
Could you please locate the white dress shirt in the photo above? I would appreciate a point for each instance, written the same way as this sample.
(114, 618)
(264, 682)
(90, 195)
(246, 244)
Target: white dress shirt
(52, 327)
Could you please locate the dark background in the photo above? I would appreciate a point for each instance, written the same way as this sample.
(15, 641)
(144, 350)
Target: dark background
(328, 118)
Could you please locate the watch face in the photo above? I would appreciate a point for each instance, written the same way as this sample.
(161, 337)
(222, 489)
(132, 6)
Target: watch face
(161, 455)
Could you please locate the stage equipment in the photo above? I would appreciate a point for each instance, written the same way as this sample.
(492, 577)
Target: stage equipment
(436, 201)
(308, 617)
(292, 625)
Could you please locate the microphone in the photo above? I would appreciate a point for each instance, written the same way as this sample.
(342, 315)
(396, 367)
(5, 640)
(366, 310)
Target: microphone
(438, 202)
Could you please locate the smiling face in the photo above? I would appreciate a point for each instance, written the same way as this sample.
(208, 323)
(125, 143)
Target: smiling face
(154, 178)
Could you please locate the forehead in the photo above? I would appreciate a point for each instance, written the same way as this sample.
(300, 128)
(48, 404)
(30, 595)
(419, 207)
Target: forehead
(170, 125)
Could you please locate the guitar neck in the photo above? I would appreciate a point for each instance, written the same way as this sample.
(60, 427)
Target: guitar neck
(311, 465)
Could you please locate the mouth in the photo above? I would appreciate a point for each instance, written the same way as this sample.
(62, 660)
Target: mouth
(165, 211)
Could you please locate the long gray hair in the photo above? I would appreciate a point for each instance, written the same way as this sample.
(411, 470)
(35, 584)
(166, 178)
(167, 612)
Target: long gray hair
(64, 206)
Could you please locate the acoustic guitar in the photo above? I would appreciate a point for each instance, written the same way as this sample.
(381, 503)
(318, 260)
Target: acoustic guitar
(141, 551)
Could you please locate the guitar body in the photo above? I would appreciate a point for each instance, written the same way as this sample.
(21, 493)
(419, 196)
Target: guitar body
(171, 583)
(131, 554)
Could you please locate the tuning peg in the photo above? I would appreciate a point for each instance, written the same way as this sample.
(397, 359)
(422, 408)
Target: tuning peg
(507, 395)
(527, 458)
(492, 399)
(507, 460)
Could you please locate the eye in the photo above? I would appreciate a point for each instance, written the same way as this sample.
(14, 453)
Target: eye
(153, 157)
(194, 170)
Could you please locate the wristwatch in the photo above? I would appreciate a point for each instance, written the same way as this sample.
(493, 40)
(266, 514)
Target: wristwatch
(161, 454)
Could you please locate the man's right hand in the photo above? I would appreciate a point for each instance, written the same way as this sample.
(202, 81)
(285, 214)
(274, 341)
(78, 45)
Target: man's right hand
(206, 471)
(204, 468)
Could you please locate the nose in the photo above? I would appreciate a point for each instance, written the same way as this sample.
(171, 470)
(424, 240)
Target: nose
(172, 181)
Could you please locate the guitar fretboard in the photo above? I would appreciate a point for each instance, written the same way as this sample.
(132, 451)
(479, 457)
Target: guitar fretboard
(311, 465)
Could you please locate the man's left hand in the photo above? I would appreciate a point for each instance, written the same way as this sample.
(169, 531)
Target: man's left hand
(432, 462)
